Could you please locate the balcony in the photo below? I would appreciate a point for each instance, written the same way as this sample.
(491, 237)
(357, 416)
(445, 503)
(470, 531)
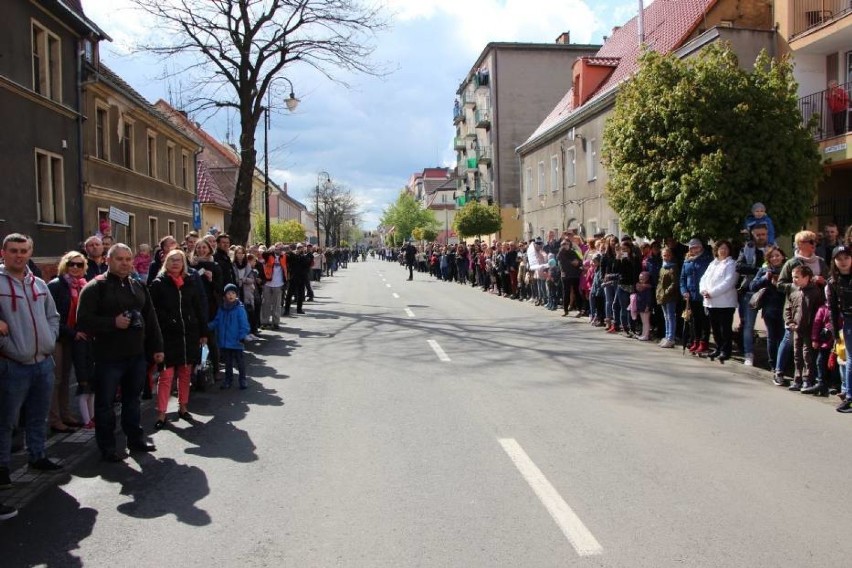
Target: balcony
(820, 26)
(482, 118)
(459, 143)
(469, 99)
(484, 155)
(482, 190)
(458, 114)
(832, 129)
(461, 169)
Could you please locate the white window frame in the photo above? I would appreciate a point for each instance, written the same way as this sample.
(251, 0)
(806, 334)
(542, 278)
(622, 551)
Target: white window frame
(172, 225)
(46, 59)
(570, 167)
(102, 137)
(185, 227)
(592, 159)
(593, 226)
(49, 187)
(529, 184)
(554, 172)
(153, 230)
(129, 232)
(151, 152)
(171, 152)
(184, 169)
(541, 178)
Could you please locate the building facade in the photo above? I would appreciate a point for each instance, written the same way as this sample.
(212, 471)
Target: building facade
(41, 56)
(564, 181)
(508, 91)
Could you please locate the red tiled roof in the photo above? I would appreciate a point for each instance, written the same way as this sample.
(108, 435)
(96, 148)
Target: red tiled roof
(668, 24)
(208, 189)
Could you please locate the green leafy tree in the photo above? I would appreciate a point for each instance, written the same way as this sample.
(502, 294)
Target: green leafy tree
(425, 234)
(406, 215)
(286, 232)
(692, 144)
(476, 219)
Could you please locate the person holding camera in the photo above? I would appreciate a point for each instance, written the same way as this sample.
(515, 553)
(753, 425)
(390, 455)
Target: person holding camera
(117, 312)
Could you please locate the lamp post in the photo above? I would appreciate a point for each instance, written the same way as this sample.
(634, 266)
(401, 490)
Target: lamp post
(292, 102)
(320, 175)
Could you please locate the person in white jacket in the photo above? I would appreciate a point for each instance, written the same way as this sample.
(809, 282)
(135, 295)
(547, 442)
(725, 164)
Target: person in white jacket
(537, 260)
(718, 287)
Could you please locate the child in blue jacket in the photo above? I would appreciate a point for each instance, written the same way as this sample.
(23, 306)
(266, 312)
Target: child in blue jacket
(232, 326)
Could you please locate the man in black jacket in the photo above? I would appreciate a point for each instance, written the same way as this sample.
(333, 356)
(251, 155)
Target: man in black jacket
(222, 256)
(298, 271)
(410, 254)
(117, 313)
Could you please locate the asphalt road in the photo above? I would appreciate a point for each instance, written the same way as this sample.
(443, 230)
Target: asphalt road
(429, 424)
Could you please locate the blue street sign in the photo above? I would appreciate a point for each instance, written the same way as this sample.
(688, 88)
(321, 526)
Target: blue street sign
(196, 215)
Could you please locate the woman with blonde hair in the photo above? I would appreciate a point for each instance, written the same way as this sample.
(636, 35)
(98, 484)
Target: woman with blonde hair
(183, 323)
(72, 346)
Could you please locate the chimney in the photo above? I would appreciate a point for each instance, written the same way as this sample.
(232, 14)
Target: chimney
(564, 38)
(615, 29)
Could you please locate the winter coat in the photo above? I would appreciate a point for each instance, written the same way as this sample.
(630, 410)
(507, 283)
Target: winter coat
(570, 263)
(61, 292)
(773, 298)
(840, 299)
(231, 325)
(720, 281)
(785, 278)
(214, 289)
(182, 316)
(691, 273)
(28, 308)
(823, 331)
(667, 284)
(801, 308)
(748, 264)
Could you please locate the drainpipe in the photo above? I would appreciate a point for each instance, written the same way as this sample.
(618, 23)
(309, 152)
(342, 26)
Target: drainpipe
(641, 23)
(81, 185)
(562, 175)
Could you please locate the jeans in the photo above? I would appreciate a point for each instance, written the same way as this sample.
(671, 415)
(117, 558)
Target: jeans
(670, 315)
(785, 348)
(847, 340)
(622, 297)
(774, 334)
(234, 356)
(609, 298)
(129, 374)
(30, 387)
(749, 316)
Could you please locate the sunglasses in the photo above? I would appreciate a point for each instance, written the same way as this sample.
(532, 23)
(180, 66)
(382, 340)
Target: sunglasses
(75, 264)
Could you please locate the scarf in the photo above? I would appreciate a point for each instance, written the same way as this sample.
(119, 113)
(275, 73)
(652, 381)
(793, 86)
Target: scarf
(75, 285)
(178, 280)
(811, 262)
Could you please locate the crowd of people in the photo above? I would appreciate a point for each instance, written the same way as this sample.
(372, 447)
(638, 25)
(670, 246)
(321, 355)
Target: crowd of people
(682, 292)
(126, 324)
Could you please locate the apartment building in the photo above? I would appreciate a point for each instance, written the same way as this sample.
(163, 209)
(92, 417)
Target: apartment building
(41, 53)
(506, 94)
(818, 34)
(564, 181)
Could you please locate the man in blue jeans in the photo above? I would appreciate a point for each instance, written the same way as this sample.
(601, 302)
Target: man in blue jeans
(29, 326)
(117, 312)
(749, 262)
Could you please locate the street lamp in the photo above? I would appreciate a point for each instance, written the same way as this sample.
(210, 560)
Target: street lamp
(292, 102)
(320, 175)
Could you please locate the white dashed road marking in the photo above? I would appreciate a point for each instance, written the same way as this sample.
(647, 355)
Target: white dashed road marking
(395, 295)
(438, 351)
(572, 527)
(409, 313)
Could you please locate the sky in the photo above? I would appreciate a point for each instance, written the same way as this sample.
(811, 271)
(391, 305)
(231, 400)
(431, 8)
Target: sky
(371, 134)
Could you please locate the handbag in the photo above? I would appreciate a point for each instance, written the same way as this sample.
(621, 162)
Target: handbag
(758, 299)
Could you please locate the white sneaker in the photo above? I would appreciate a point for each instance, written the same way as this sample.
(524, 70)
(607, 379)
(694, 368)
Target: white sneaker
(749, 360)
(667, 344)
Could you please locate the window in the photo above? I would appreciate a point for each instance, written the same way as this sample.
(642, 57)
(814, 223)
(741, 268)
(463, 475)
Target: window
(541, 179)
(184, 170)
(50, 188)
(153, 230)
(529, 183)
(592, 159)
(47, 63)
(614, 227)
(101, 130)
(172, 227)
(152, 154)
(170, 162)
(554, 173)
(126, 235)
(571, 167)
(593, 226)
(185, 227)
(128, 145)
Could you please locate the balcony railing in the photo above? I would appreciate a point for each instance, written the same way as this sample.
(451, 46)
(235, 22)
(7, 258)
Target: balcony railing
(469, 99)
(483, 118)
(459, 143)
(484, 155)
(829, 122)
(458, 114)
(809, 14)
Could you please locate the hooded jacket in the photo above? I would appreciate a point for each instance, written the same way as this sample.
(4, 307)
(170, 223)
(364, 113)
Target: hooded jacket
(231, 325)
(691, 273)
(28, 308)
(720, 281)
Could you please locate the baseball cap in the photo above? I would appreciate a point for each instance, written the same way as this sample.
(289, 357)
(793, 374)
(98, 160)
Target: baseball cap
(842, 249)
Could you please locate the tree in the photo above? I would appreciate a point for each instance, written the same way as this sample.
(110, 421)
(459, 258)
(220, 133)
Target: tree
(290, 231)
(237, 48)
(337, 211)
(475, 219)
(406, 215)
(692, 144)
(424, 234)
